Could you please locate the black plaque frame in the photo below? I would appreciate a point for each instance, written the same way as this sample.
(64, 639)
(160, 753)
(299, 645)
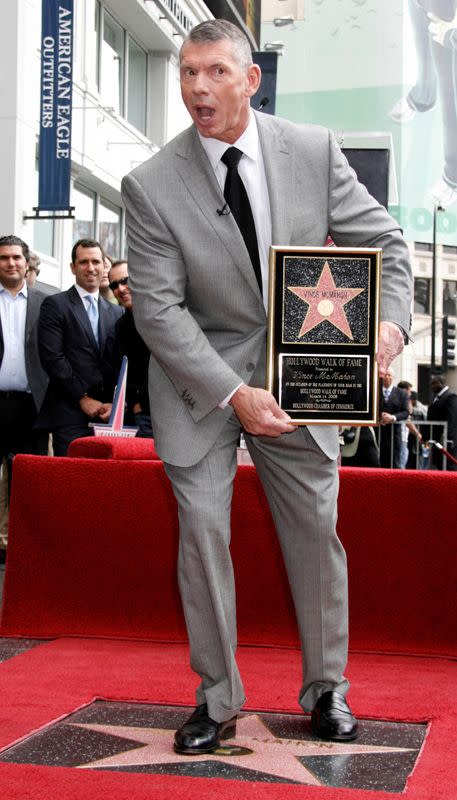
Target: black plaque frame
(323, 320)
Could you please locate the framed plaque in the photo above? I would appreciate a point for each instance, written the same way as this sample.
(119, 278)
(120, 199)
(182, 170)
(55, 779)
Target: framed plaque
(323, 319)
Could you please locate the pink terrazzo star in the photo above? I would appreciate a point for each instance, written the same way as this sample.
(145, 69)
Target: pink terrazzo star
(270, 754)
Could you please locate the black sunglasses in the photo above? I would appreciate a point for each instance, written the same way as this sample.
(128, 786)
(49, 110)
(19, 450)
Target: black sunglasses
(121, 282)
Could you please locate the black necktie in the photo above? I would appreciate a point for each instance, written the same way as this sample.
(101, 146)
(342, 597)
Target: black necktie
(236, 197)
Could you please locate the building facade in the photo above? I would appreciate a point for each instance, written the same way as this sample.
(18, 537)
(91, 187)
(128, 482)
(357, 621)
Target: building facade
(352, 67)
(126, 105)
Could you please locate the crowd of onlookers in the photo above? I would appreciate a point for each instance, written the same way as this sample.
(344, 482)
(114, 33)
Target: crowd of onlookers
(411, 435)
(60, 353)
(60, 356)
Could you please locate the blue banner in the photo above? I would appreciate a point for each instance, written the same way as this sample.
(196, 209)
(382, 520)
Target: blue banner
(55, 105)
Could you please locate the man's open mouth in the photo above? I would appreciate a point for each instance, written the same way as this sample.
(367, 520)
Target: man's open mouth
(204, 112)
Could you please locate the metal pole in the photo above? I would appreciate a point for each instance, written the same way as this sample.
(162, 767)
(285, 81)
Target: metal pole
(437, 207)
(433, 315)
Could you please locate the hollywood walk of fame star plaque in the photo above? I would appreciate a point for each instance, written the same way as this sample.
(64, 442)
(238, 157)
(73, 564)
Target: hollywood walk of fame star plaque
(269, 748)
(323, 320)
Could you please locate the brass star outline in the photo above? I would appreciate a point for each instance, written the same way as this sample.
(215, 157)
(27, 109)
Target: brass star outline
(326, 301)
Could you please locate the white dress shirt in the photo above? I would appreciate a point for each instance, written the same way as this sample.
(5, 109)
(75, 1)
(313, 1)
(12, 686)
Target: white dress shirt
(251, 170)
(13, 312)
(83, 293)
(387, 391)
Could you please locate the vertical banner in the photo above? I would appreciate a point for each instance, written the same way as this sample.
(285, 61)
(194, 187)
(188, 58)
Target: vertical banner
(55, 105)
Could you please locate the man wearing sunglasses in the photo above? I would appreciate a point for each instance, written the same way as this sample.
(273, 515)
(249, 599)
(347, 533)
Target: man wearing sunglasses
(131, 345)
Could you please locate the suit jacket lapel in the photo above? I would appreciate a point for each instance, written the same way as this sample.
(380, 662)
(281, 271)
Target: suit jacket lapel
(195, 170)
(103, 317)
(81, 313)
(33, 310)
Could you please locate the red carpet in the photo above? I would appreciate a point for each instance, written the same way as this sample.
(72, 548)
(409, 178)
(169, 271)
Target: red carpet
(104, 568)
(54, 679)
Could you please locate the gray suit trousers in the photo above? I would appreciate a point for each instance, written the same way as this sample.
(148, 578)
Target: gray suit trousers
(301, 485)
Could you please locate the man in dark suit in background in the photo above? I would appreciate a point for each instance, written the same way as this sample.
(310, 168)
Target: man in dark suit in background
(77, 349)
(443, 408)
(23, 381)
(394, 408)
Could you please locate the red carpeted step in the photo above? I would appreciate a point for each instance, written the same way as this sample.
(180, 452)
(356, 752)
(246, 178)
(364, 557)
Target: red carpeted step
(93, 549)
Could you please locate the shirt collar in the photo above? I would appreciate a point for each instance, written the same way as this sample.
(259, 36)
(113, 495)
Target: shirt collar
(84, 293)
(248, 143)
(22, 290)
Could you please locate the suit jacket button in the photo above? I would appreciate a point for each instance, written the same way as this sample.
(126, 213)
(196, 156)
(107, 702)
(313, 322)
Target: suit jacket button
(250, 366)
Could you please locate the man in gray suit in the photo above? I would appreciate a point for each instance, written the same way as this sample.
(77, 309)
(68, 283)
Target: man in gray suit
(23, 381)
(198, 306)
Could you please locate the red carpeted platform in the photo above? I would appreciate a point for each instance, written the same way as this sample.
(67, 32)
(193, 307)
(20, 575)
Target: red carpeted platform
(92, 553)
(93, 547)
(113, 447)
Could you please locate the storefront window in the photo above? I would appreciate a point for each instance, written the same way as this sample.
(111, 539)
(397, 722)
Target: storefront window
(450, 298)
(109, 228)
(84, 202)
(112, 64)
(136, 105)
(421, 295)
(43, 230)
(122, 68)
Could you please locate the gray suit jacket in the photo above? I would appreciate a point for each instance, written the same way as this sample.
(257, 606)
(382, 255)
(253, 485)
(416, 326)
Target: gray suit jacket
(195, 297)
(36, 376)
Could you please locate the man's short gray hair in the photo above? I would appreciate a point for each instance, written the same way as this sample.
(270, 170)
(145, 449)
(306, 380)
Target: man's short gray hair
(213, 30)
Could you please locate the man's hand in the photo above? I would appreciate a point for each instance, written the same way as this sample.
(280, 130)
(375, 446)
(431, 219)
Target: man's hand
(390, 345)
(259, 413)
(90, 406)
(104, 411)
(387, 419)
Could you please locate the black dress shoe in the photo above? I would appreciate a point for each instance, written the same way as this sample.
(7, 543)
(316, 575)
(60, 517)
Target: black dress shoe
(201, 734)
(332, 718)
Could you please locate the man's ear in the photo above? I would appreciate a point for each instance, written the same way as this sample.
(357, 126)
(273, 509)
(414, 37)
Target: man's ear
(254, 78)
